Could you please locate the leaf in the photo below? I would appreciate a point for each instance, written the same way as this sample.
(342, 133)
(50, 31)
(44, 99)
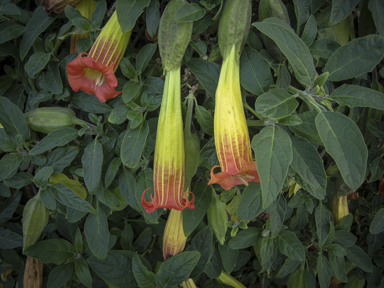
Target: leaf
(36, 25)
(289, 245)
(359, 258)
(60, 275)
(51, 81)
(202, 243)
(144, 56)
(204, 118)
(133, 145)
(229, 257)
(92, 161)
(119, 114)
(323, 218)
(192, 218)
(343, 141)
(276, 103)
(176, 269)
(128, 12)
(309, 165)
(377, 224)
(9, 163)
(8, 207)
(250, 204)
(145, 278)
(277, 211)
(308, 129)
(310, 31)
(338, 265)
(36, 63)
(10, 30)
(292, 46)
(55, 251)
(324, 271)
(199, 46)
(341, 9)
(355, 58)
(127, 188)
(217, 217)
(357, 96)
(61, 158)
(288, 267)
(89, 103)
(82, 272)
(302, 12)
(377, 9)
(97, 233)
(12, 119)
(68, 197)
(344, 238)
(324, 48)
(206, 72)
(9, 239)
(245, 238)
(153, 18)
(59, 137)
(273, 153)
(189, 12)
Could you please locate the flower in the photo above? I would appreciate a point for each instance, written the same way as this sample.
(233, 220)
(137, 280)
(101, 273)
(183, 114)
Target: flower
(94, 72)
(57, 6)
(169, 151)
(174, 238)
(232, 142)
(86, 8)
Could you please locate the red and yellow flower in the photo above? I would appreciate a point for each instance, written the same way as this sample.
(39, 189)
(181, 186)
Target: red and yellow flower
(232, 142)
(169, 151)
(94, 72)
(174, 238)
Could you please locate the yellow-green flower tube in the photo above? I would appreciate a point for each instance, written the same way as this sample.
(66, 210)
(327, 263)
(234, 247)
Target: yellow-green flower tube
(174, 238)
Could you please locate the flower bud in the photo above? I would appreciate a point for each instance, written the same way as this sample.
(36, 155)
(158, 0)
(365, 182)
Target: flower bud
(174, 238)
(339, 208)
(33, 273)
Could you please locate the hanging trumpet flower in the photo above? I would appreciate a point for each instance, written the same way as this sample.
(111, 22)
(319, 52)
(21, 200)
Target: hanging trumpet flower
(94, 72)
(230, 128)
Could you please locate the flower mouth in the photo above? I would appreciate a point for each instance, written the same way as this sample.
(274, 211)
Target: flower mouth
(243, 178)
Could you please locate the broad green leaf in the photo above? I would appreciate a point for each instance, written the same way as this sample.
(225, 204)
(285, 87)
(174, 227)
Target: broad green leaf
(323, 218)
(277, 212)
(214, 266)
(153, 18)
(289, 245)
(6, 142)
(128, 12)
(10, 239)
(176, 269)
(99, 12)
(61, 158)
(358, 257)
(12, 119)
(82, 272)
(324, 271)
(229, 257)
(189, 12)
(276, 103)
(309, 165)
(59, 137)
(245, 238)
(324, 48)
(288, 267)
(192, 218)
(51, 80)
(273, 151)
(250, 204)
(36, 25)
(206, 72)
(255, 75)
(133, 145)
(267, 252)
(131, 90)
(89, 103)
(341, 9)
(377, 9)
(375, 243)
(60, 275)
(338, 265)
(127, 188)
(344, 238)
(10, 30)
(199, 46)
(119, 114)
(310, 31)
(142, 242)
(297, 278)
(202, 243)
(377, 224)
(68, 197)
(343, 141)
(357, 96)
(202, 24)
(55, 251)
(113, 168)
(9, 163)
(204, 118)
(355, 58)
(302, 12)
(144, 56)
(145, 278)
(97, 233)
(82, 23)
(8, 207)
(92, 161)
(292, 46)
(42, 176)
(308, 129)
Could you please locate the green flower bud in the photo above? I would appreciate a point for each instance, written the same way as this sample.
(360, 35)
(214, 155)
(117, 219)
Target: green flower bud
(217, 217)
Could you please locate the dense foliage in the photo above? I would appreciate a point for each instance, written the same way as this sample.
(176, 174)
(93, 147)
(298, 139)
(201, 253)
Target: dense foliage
(73, 168)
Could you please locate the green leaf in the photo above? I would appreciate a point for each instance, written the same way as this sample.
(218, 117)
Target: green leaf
(341, 9)
(301, 12)
(36, 25)
(273, 151)
(153, 18)
(176, 269)
(250, 204)
(92, 161)
(324, 48)
(113, 168)
(308, 129)
(357, 57)
(89, 103)
(61, 158)
(99, 12)
(189, 12)
(338, 265)
(10, 30)
(133, 145)
(144, 56)
(309, 165)
(202, 24)
(129, 71)
(51, 81)
(297, 278)
(323, 219)
(214, 266)
(289, 245)
(42, 176)
(343, 141)
(127, 188)
(377, 224)
(9, 239)
(97, 233)
(344, 238)
(128, 12)
(267, 251)
(82, 23)
(277, 212)
(376, 128)
(9, 163)
(292, 46)
(199, 46)
(192, 218)
(206, 72)
(145, 278)
(357, 96)
(359, 258)
(324, 271)
(68, 197)
(55, 251)
(202, 243)
(13, 119)
(377, 9)
(142, 242)
(245, 238)
(310, 31)
(204, 118)
(288, 267)
(119, 114)
(229, 257)
(276, 103)
(82, 272)
(60, 275)
(8, 207)
(59, 137)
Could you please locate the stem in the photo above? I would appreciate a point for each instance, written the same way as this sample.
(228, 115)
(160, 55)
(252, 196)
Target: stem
(188, 117)
(255, 123)
(306, 98)
(253, 111)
